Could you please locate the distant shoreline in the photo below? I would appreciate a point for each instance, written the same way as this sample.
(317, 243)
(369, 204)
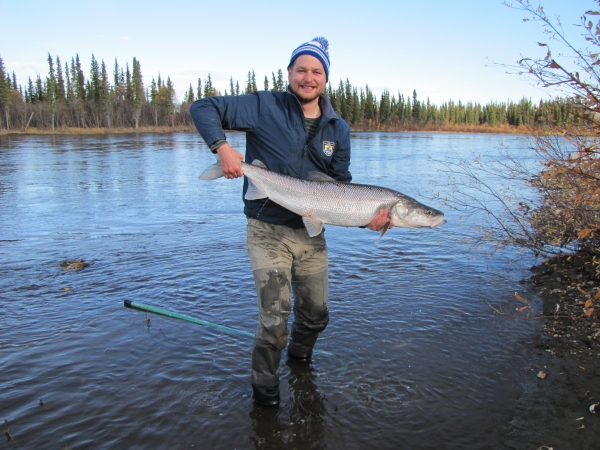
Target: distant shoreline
(427, 128)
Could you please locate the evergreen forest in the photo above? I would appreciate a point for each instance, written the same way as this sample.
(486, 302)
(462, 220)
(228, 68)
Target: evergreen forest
(117, 97)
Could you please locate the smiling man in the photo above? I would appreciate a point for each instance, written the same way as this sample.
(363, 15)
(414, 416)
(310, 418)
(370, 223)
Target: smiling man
(294, 132)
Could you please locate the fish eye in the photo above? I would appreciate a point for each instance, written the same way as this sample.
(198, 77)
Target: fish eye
(429, 212)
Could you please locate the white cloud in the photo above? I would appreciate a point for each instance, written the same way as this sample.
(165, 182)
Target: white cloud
(27, 66)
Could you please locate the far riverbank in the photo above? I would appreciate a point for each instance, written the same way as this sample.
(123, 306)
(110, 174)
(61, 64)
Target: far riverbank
(427, 128)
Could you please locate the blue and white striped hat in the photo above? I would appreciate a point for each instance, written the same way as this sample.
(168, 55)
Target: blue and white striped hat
(319, 48)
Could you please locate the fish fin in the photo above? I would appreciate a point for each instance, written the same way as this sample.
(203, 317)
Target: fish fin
(259, 163)
(313, 226)
(385, 228)
(319, 176)
(253, 192)
(212, 172)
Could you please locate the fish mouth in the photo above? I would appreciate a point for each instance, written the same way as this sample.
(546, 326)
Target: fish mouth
(437, 222)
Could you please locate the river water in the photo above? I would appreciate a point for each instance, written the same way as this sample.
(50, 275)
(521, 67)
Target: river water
(413, 357)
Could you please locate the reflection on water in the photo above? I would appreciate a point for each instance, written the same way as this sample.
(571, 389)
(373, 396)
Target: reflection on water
(300, 425)
(413, 356)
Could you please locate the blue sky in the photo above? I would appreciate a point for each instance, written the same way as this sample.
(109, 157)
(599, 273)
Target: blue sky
(441, 48)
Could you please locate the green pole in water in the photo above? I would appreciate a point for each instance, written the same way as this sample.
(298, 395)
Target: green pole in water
(164, 312)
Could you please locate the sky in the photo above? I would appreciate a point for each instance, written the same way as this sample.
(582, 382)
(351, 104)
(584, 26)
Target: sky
(445, 49)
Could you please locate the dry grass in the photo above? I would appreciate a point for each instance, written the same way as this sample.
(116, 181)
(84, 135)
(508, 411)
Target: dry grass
(449, 128)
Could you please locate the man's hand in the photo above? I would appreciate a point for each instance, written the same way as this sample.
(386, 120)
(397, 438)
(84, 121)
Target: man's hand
(380, 220)
(230, 160)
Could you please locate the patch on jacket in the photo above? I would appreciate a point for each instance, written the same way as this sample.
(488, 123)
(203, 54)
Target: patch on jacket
(328, 147)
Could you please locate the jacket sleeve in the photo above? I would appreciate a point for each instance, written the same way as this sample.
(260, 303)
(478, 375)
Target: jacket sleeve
(212, 115)
(340, 162)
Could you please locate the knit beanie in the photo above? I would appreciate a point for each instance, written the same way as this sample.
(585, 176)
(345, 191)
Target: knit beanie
(319, 48)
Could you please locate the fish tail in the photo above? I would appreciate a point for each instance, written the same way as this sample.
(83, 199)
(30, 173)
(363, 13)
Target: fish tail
(212, 172)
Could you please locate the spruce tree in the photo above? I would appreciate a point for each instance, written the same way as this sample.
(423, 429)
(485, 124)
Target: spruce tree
(5, 99)
(154, 100)
(78, 78)
(51, 90)
(254, 87)
(357, 113)
(138, 91)
(370, 109)
(266, 83)
(70, 89)
(104, 84)
(199, 90)
(128, 84)
(416, 107)
(231, 87)
(385, 107)
(170, 100)
(280, 81)
(116, 74)
(208, 87)
(94, 91)
(248, 83)
(190, 95)
(347, 107)
(30, 91)
(105, 94)
(60, 82)
(14, 80)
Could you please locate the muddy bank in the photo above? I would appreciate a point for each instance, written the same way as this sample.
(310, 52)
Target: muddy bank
(563, 382)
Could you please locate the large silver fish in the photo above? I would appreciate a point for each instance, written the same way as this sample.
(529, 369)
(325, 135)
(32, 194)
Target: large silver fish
(321, 199)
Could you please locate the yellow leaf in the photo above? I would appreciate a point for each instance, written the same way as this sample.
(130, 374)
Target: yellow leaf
(589, 311)
(65, 289)
(597, 296)
(588, 304)
(520, 297)
(580, 289)
(522, 308)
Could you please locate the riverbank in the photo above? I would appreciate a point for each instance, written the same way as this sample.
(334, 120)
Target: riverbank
(98, 131)
(561, 385)
(427, 128)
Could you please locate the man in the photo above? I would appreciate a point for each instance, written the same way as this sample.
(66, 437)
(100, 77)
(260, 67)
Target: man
(294, 133)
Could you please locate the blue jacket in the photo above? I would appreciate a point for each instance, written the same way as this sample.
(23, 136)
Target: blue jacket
(276, 134)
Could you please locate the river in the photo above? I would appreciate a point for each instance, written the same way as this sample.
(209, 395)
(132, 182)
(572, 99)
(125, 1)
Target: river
(414, 357)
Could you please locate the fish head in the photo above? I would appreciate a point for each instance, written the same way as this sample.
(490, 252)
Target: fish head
(409, 213)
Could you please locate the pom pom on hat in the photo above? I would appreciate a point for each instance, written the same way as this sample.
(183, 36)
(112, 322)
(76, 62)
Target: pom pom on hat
(319, 48)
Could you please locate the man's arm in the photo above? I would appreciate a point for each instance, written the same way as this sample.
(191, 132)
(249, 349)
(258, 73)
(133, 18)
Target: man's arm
(213, 114)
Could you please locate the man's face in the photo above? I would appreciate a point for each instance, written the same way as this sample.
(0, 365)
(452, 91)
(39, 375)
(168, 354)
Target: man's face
(307, 78)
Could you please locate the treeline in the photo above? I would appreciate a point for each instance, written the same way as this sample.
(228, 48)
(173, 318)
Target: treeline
(362, 109)
(119, 99)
